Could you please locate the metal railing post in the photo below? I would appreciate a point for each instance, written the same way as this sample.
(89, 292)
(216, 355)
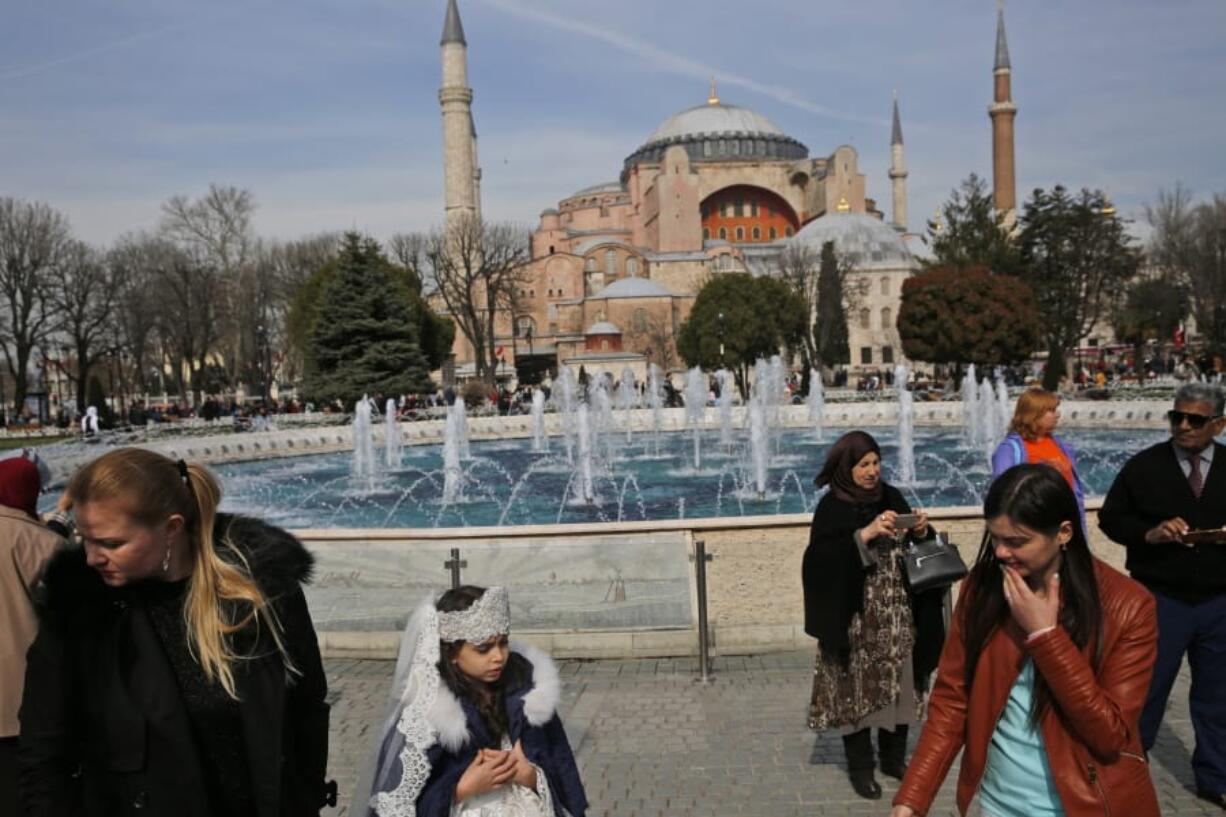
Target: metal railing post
(700, 585)
(454, 564)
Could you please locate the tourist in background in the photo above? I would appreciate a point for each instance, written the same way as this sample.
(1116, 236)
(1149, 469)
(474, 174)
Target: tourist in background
(876, 644)
(176, 669)
(26, 546)
(473, 728)
(1044, 673)
(1160, 494)
(1032, 438)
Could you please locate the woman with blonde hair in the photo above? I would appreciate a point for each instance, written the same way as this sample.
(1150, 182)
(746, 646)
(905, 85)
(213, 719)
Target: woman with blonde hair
(1032, 438)
(176, 669)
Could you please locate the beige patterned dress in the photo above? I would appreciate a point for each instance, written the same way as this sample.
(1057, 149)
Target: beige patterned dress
(877, 689)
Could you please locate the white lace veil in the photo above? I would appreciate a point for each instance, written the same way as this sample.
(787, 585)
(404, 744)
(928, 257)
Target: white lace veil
(393, 778)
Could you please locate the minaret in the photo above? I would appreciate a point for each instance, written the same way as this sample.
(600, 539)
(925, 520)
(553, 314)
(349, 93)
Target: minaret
(460, 173)
(1002, 111)
(898, 172)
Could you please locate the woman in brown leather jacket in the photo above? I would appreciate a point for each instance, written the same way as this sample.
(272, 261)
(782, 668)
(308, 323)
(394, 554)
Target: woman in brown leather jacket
(1044, 673)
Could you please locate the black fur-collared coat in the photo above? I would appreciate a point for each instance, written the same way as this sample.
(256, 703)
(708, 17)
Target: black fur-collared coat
(104, 727)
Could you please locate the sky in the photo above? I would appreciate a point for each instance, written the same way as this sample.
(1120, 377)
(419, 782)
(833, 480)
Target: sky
(327, 110)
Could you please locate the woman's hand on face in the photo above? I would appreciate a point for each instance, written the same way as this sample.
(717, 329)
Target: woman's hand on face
(525, 772)
(1031, 611)
(489, 770)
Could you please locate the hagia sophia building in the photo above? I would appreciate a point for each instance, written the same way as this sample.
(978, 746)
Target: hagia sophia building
(716, 188)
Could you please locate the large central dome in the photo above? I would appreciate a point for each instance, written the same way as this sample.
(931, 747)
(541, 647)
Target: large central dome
(716, 132)
(713, 119)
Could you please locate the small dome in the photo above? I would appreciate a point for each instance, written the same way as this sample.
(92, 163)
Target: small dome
(606, 187)
(602, 328)
(862, 241)
(632, 288)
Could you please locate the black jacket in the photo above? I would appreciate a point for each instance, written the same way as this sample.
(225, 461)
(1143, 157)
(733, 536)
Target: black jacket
(105, 731)
(1151, 488)
(834, 582)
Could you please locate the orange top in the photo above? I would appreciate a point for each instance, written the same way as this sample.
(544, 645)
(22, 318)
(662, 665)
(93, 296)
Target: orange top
(1048, 451)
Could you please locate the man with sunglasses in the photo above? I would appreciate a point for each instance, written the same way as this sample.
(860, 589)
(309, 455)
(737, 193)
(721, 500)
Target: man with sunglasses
(1160, 495)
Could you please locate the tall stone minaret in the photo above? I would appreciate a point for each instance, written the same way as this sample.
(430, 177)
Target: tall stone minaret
(461, 175)
(898, 172)
(1002, 111)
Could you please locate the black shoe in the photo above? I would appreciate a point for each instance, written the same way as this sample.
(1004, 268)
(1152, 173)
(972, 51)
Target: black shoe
(865, 784)
(1218, 800)
(892, 748)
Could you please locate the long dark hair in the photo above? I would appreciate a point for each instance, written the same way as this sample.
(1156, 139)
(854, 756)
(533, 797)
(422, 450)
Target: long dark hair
(1038, 497)
(490, 701)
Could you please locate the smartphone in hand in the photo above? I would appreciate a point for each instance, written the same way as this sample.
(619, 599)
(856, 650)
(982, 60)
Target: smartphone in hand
(905, 521)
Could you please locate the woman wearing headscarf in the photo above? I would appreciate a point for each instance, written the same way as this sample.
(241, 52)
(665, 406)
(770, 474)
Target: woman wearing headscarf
(877, 644)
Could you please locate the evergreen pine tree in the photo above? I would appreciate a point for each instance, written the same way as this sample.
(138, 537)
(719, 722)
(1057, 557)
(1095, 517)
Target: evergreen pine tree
(365, 341)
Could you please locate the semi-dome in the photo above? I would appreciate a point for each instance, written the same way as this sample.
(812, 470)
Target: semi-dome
(602, 328)
(632, 288)
(863, 242)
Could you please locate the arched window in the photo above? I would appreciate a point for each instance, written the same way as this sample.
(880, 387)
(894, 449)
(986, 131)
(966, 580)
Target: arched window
(723, 233)
(887, 318)
(706, 147)
(639, 320)
(725, 209)
(706, 233)
(885, 285)
(610, 262)
(866, 319)
(740, 233)
(773, 233)
(757, 233)
(753, 209)
(589, 264)
(788, 232)
(739, 208)
(524, 326)
(723, 263)
(632, 267)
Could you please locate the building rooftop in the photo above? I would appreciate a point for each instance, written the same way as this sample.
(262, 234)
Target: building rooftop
(603, 328)
(863, 242)
(632, 288)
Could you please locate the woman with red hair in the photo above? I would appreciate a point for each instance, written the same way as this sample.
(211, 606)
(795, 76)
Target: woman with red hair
(1032, 438)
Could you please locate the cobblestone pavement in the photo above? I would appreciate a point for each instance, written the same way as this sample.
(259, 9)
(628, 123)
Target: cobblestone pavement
(651, 741)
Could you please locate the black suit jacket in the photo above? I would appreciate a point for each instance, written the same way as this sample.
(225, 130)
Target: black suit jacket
(104, 729)
(1151, 488)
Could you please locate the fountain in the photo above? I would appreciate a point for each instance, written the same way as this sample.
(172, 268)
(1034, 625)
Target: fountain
(586, 475)
(1004, 407)
(655, 400)
(816, 401)
(461, 428)
(696, 408)
(726, 386)
(985, 407)
(540, 440)
(906, 427)
(391, 434)
(363, 441)
(758, 446)
(602, 404)
(627, 399)
(564, 391)
(453, 476)
(970, 393)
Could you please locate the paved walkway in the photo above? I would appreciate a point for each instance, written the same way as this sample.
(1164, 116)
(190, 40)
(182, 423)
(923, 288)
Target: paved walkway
(651, 742)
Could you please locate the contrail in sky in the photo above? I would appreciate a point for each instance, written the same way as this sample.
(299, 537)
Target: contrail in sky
(672, 62)
(30, 70)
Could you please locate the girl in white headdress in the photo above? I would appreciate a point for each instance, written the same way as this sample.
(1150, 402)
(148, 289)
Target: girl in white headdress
(474, 730)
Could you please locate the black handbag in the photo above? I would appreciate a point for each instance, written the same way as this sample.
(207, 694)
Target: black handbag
(933, 564)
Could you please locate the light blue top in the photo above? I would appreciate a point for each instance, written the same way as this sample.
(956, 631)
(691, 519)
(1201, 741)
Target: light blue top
(1017, 780)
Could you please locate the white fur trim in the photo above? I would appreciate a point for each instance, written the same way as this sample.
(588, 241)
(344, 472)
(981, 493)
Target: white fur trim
(541, 702)
(446, 717)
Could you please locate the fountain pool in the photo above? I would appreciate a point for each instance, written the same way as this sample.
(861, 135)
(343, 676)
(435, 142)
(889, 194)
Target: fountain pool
(506, 482)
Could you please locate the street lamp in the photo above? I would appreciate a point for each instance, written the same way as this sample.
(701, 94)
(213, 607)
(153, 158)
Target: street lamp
(720, 318)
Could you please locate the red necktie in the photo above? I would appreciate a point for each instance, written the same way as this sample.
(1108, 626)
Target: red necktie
(1195, 480)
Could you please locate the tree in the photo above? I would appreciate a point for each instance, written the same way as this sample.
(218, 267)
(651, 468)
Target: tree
(830, 327)
(654, 336)
(132, 262)
(970, 233)
(1152, 310)
(84, 304)
(951, 315)
(32, 242)
(1076, 256)
(748, 317)
(820, 281)
(365, 340)
(435, 333)
(475, 268)
(1189, 242)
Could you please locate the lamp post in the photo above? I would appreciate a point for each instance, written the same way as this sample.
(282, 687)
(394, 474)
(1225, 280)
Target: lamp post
(720, 318)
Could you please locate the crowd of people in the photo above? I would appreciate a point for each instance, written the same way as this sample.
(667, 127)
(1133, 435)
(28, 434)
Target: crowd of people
(158, 655)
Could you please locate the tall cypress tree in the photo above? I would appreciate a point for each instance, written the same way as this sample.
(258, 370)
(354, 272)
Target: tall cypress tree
(365, 341)
(830, 329)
